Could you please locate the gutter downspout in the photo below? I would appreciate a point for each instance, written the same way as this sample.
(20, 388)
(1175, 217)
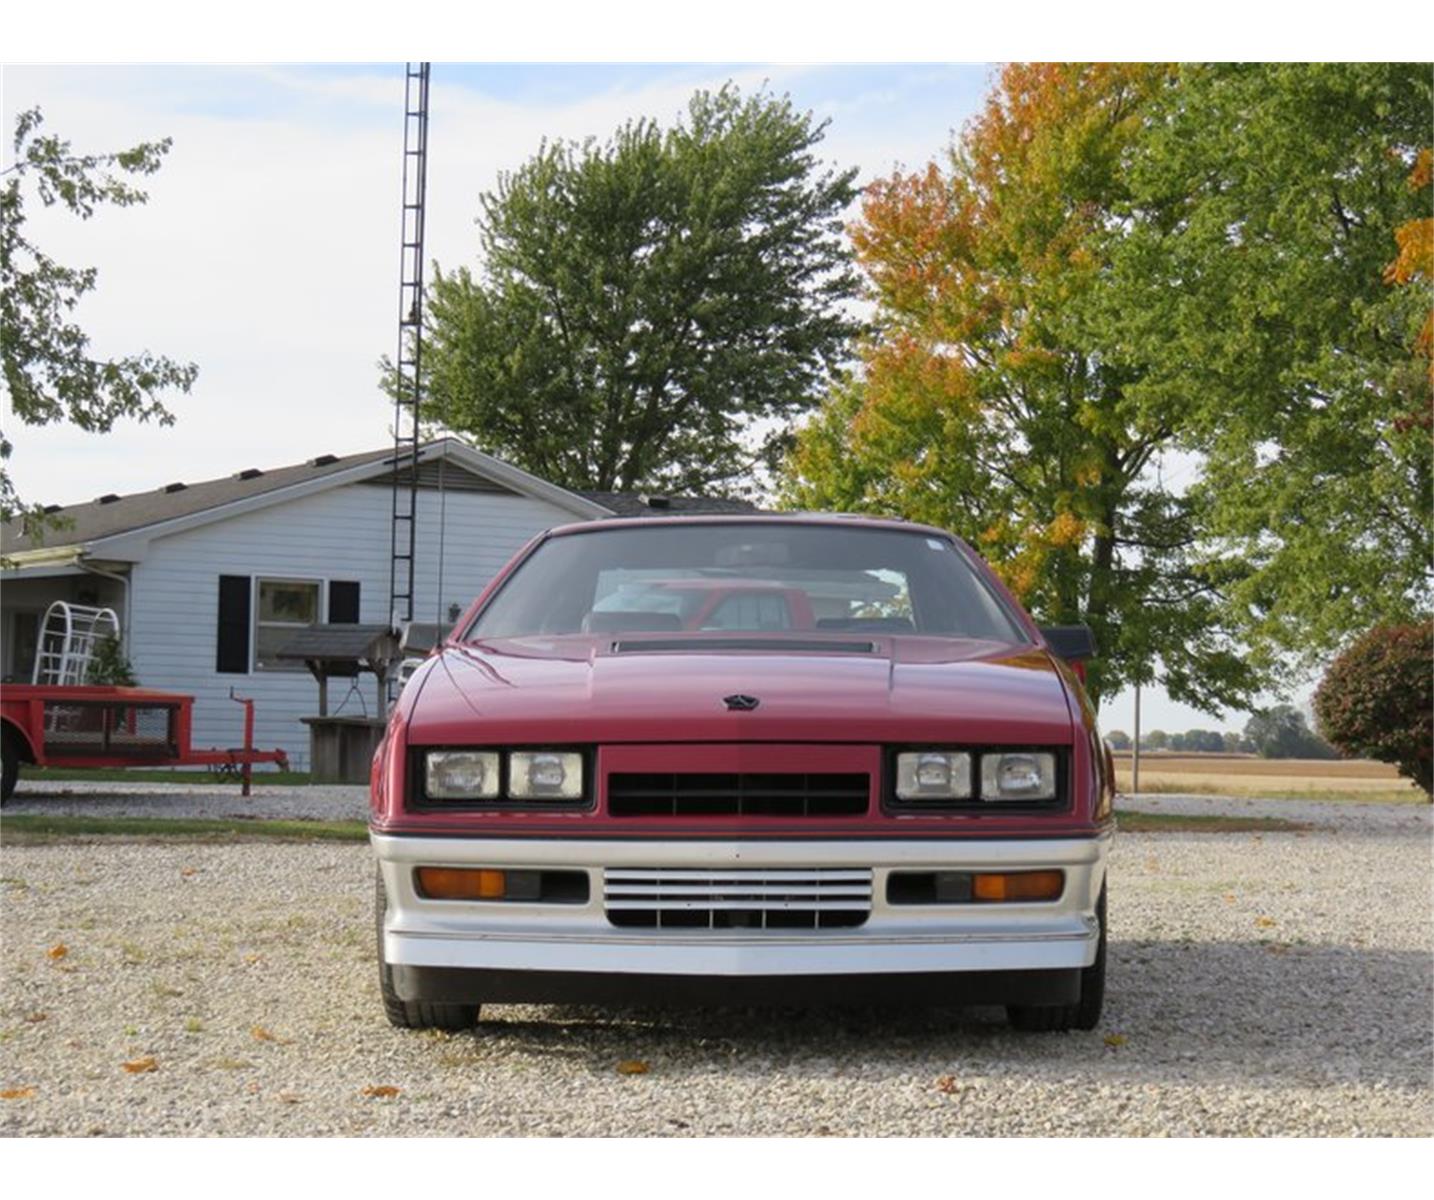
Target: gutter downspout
(123, 581)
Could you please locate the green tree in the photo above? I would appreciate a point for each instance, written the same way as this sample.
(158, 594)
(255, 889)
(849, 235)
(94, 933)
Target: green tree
(643, 304)
(49, 373)
(1281, 731)
(1255, 292)
(1203, 741)
(986, 403)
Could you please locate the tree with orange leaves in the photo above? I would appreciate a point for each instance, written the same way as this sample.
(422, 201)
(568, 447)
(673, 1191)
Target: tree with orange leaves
(987, 404)
(1136, 343)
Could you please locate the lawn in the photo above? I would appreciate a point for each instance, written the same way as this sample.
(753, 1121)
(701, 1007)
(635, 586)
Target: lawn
(188, 778)
(38, 827)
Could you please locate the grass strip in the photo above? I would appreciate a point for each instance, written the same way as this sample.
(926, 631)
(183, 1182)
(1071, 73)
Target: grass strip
(37, 827)
(1259, 790)
(1147, 822)
(262, 776)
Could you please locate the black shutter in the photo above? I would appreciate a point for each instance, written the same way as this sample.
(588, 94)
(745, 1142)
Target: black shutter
(343, 602)
(232, 655)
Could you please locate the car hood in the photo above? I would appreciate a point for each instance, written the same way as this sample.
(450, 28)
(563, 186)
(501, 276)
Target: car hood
(580, 689)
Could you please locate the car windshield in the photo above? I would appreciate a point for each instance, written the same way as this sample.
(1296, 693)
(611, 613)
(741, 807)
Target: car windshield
(747, 577)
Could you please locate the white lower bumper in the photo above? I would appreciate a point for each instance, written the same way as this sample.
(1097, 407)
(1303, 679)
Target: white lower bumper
(894, 939)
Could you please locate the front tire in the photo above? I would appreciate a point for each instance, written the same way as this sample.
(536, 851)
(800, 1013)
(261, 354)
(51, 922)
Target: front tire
(1085, 1012)
(413, 1014)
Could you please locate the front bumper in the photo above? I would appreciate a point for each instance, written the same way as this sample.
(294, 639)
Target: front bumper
(512, 951)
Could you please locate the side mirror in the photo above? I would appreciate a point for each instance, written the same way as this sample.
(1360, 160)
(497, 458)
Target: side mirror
(1074, 643)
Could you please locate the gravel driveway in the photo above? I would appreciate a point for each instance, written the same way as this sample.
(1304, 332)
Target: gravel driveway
(1259, 984)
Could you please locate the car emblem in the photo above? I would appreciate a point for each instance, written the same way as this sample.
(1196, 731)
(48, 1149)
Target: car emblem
(740, 703)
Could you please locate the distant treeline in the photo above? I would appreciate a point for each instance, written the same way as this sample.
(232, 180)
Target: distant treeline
(1279, 732)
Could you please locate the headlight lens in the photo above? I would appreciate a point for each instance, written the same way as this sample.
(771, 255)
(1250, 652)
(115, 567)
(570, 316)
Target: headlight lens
(1018, 776)
(545, 775)
(933, 775)
(461, 775)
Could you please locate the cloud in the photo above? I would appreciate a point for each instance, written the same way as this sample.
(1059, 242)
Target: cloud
(268, 252)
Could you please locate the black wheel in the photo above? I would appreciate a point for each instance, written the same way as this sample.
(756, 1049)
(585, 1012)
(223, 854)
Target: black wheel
(414, 1014)
(9, 765)
(1085, 1012)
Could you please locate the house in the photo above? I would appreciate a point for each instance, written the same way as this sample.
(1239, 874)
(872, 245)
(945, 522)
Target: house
(211, 579)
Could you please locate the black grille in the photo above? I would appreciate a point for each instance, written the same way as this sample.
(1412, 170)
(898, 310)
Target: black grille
(738, 795)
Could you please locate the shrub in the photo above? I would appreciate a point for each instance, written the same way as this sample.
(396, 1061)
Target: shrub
(1377, 700)
(109, 667)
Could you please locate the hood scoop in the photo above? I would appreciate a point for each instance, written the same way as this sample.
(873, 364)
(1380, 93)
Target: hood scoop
(741, 645)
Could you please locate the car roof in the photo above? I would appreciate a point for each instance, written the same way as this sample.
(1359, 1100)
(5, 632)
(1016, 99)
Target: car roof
(845, 520)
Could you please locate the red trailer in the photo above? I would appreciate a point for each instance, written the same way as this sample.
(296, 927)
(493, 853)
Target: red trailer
(69, 725)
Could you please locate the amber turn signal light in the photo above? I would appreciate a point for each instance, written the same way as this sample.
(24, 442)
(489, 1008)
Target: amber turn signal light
(1018, 885)
(453, 883)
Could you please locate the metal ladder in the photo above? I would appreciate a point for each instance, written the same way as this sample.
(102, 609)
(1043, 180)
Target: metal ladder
(401, 578)
(69, 636)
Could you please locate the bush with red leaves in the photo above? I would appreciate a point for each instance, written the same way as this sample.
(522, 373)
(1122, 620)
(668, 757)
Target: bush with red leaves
(1377, 700)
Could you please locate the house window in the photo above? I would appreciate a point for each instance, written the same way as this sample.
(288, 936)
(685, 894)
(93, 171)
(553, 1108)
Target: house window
(284, 607)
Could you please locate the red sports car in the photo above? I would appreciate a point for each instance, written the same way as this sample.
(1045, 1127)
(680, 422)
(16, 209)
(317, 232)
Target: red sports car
(723, 759)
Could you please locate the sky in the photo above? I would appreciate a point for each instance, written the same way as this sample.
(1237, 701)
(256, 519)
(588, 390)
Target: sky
(268, 250)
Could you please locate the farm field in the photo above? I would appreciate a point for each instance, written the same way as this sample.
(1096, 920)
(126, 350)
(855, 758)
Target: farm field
(1245, 775)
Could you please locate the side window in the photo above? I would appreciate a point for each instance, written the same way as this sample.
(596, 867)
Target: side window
(284, 607)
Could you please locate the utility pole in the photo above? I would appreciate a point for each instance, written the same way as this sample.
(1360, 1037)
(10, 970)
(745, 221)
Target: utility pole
(1135, 747)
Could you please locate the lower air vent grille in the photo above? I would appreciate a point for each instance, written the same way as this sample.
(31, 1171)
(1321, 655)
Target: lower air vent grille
(746, 795)
(695, 898)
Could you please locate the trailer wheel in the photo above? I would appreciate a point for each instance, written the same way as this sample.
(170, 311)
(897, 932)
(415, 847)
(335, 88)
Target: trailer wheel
(9, 764)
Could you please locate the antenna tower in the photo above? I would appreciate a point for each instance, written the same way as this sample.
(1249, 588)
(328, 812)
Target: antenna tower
(407, 384)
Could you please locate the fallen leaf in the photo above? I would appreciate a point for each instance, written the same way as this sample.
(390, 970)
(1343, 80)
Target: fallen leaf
(35, 1018)
(1229, 897)
(289, 1097)
(381, 1089)
(947, 1085)
(251, 959)
(58, 950)
(632, 1066)
(23, 1093)
(260, 1034)
(1115, 1039)
(189, 871)
(1265, 922)
(138, 1066)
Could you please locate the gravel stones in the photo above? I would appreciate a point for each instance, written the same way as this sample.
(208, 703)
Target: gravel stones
(1260, 984)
